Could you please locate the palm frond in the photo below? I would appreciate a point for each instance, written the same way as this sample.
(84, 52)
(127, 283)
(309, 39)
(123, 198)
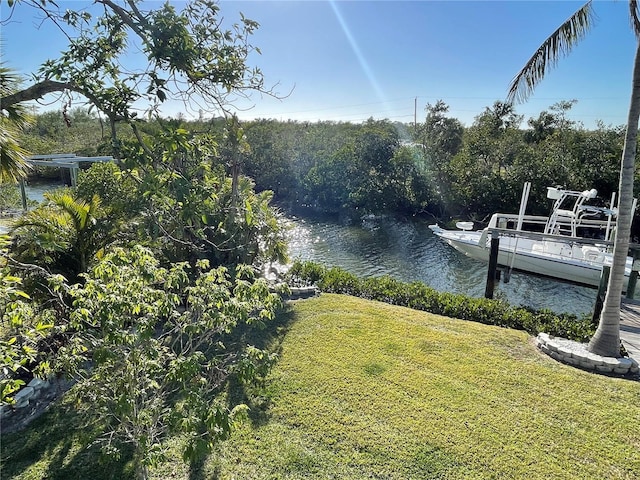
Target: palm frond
(552, 49)
(77, 210)
(13, 158)
(634, 16)
(13, 165)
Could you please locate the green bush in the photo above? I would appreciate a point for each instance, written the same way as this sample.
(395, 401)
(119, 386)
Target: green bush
(418, 296)
(10, 198)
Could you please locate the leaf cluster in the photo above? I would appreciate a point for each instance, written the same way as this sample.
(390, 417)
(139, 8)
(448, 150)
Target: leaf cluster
(151, 350)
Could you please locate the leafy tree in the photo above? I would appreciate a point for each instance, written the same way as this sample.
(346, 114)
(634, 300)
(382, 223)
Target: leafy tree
(411, 186)
(151, 351)
(606, 340)
(327, 186)
(118, 190)
(271, 160)
(190, 58)
(374, 147)
(482, 169)
(441, 139)
(193, 210)
(599, 157)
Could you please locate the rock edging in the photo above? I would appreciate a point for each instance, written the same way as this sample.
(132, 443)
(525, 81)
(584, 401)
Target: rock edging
(296, 293)
(31, 401)
(578, 355)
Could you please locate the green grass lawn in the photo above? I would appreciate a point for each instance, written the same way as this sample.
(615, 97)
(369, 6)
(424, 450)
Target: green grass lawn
(368, 390)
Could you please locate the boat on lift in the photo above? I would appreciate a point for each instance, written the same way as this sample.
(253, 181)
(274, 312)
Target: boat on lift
(573, 243)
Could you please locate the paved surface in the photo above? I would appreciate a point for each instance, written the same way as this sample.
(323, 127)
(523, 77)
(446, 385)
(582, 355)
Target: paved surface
(630, 327)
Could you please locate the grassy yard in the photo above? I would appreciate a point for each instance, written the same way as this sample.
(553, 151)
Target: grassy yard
(368, 390)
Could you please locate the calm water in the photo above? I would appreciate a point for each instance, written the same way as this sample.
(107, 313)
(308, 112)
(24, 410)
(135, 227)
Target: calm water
(408, 250)
(35, 192)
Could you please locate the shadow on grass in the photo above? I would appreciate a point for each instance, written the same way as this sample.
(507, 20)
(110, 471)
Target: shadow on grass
(256, 397)
(56, 447)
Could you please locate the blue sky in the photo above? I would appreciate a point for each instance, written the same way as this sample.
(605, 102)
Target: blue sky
(348, 61)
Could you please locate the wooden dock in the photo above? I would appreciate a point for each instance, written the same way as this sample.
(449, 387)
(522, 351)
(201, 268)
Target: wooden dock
(630, 327)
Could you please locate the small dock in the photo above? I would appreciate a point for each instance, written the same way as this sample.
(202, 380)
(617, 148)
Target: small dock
(630, 327)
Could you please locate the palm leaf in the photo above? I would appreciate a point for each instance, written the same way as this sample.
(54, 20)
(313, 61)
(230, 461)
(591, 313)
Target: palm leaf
(13, 165)
(634, 15)
(559, 44)
(80, 212)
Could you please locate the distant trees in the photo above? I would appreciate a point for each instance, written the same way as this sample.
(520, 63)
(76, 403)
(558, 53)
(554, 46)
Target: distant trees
(441, 139)
(447, 170)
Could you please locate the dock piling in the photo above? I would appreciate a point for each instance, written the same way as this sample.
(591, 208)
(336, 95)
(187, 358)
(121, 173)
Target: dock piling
(493, 264)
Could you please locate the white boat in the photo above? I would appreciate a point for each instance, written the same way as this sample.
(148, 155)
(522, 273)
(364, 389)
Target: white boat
(570, 244)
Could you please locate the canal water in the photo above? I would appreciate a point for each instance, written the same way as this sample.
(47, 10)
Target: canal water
(408, 251)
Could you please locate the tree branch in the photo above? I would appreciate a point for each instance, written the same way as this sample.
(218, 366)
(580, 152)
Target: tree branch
(35, 92)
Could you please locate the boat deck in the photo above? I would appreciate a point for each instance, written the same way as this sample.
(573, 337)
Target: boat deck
(630, 327)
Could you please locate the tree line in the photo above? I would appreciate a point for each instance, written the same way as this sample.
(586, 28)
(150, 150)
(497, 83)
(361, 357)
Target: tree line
(437, 167)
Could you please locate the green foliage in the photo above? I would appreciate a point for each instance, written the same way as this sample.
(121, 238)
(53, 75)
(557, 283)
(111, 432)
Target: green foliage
(13, 119)
(197, 58)
(193, 210)
(151, 351)
(441, 139)
(418, 296)
(23, 326)
(64, 233)
(117, 189)
(447, 171)
(73, 130)
(10, 198)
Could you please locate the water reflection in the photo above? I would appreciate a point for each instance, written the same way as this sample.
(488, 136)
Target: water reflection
(408, 251)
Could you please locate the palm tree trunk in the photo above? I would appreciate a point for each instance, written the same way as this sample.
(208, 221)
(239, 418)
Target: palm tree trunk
(606, 340)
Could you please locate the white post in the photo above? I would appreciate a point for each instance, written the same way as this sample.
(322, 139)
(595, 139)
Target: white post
(611, 207)
(523, 204)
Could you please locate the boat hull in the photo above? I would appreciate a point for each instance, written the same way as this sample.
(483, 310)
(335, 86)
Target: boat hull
(556, 259)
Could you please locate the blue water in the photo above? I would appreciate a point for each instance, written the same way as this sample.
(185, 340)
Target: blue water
(408, 250)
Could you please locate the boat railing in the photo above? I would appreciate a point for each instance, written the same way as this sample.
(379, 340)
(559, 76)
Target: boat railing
(509, 232)
(536, 223)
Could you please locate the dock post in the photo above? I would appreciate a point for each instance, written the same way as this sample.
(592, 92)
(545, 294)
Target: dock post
(493, 264)
(602, 290)
(23, 194)
(633, 276)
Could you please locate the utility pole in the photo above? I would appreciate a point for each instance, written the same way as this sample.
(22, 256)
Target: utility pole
(415, 115)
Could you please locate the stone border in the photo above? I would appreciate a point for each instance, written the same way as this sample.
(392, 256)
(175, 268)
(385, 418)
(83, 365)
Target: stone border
(298, 293)
(578, 355)
(31, 402)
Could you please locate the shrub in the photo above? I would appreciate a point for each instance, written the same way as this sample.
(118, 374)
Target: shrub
(419, 296)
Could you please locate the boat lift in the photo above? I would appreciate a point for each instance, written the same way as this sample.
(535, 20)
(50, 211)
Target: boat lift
(59, 160)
